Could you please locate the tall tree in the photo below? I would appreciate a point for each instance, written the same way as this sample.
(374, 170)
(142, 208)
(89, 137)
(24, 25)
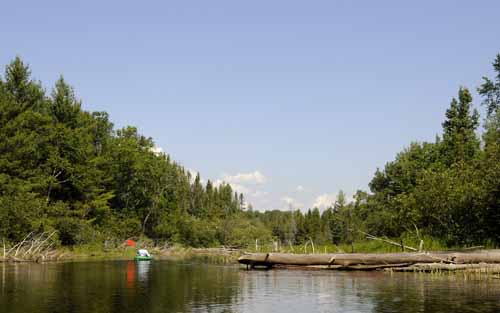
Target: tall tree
(490, 90)
(197, 198)
(460, 142)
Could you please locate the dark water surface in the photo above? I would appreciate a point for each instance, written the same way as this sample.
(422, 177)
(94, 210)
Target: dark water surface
(162, 286)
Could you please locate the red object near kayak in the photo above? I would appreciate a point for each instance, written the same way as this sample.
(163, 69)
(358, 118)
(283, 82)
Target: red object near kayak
(130, 243)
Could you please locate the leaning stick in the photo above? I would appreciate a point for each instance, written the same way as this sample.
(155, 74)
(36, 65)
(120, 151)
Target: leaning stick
(370, 236)
(21, 244)
(34, 242)
(42, 243)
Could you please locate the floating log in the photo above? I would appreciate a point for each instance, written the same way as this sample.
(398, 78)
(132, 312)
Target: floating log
(369, 260)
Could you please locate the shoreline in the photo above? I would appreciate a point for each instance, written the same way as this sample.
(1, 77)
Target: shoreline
(225, 256)
(75, 254)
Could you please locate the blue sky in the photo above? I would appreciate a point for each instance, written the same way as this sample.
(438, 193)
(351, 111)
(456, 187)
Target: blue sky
(291, 101)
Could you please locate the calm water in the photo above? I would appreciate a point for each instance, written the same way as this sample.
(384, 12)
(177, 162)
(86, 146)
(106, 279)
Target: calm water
(162, 286)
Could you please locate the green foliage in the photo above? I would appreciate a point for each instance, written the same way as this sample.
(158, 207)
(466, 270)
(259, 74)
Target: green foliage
(460, 142)
(67, 169)
(63, 168)
(447, 191)
(72, 231)
(490, 90)
(196, 232)
(239, 231)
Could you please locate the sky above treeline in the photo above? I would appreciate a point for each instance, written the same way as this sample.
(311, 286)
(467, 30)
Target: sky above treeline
(289, 101)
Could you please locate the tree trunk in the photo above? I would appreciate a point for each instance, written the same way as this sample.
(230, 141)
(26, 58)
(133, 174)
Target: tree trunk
(371, 259)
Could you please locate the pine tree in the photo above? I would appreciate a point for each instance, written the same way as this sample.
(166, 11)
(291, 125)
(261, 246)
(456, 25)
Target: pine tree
(64, 107)
(197, 194)
(27, 93)
(490, 90)
(460, 142)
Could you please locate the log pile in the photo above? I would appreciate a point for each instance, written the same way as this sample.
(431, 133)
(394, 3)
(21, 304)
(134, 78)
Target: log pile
(373, 261)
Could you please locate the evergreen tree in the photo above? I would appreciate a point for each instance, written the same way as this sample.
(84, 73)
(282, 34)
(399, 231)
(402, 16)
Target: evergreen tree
(460, 142)
(490, 90)
(197, 203)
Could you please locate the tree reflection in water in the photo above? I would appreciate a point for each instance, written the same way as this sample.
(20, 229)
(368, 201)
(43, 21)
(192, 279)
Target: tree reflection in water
(160, 286)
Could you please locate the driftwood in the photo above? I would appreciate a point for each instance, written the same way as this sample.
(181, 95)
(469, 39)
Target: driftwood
(365, 261)
(32, 248)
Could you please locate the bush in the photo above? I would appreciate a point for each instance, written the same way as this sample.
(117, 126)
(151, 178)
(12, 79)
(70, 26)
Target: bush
(73, 231)
(122, 228)
(241, 232)
(198, 233)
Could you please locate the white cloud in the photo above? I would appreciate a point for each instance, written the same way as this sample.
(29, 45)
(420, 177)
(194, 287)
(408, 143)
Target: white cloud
(328, 199)
(259, 194)
(249, 184)
(300, 188)
(157, 150)
(245, 183)
(288, 200)
(241, 189)
(193, 174)
(324, 201)
(291, 202)
(236, 187)
(256, 178)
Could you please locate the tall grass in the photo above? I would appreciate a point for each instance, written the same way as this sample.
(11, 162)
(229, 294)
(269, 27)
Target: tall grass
(366, 246)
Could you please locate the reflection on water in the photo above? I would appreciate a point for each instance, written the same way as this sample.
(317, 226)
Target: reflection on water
(160, 286)
(137, 272)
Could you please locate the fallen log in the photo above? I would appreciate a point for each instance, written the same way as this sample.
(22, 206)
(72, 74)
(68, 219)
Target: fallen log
(342, 268)
(353, 260)
(432, 267)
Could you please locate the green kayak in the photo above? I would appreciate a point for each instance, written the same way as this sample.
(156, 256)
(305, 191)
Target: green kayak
(143, 258)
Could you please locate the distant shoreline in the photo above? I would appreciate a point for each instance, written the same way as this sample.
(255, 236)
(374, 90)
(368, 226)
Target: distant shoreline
(212, 255)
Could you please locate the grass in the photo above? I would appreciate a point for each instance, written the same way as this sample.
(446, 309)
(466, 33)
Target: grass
(367, 246)
(96, 252)
(204, 255)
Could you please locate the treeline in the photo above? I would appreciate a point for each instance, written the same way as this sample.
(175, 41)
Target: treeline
(66, 169)
(447, 190)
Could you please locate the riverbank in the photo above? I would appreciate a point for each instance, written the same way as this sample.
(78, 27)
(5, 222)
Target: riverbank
(98, 253)
(423, 263)
(25, 252)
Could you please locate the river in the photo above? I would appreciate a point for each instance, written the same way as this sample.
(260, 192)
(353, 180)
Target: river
(163, 286)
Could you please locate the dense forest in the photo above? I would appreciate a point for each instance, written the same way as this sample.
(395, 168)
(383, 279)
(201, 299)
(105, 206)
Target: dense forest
(66, 169)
